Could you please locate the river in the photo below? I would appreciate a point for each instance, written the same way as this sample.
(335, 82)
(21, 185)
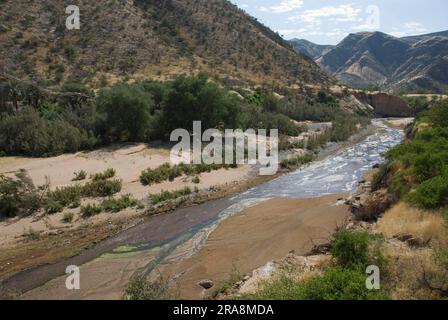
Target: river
(178, 235)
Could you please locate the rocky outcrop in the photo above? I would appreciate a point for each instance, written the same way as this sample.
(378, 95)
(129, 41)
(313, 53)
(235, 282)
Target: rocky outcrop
(367, 204)
(385, 105)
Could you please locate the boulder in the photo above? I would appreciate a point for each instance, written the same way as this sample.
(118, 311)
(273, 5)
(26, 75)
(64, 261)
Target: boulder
(206, 284)
(370, 206)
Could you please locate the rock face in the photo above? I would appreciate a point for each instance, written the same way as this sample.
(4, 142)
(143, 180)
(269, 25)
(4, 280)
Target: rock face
(385, 105)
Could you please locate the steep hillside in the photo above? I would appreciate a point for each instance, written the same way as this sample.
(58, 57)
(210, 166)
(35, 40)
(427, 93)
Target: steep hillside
(310, 49)
(131, 39)
(414, 64)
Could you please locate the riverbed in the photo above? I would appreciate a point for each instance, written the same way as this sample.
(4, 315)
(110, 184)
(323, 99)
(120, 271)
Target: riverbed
(179, 237)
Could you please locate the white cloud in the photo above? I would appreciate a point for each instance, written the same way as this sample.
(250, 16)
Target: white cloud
(410, 28)
(341, 13)
(287, 6)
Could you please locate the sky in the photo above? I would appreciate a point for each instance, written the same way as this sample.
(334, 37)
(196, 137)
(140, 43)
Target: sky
(329, 21)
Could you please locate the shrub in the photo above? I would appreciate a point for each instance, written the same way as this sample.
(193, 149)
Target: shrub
(79, 176)
(52, 207)
(68, 217)
(90, 211)
(196, 180)
(117, 205)
(431, 194)
(65, 196)
(166, 195)
(297, 161)
(27, 133)
(18, 196)
(102, 188)
(351, 249)
(140, 288)
(107, 174)
(334, 284)
(166, 172)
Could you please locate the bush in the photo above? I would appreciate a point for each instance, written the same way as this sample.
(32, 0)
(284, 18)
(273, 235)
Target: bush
(68, 217)
(439, 114)
(102, 188)
(334, 284)
(166, 195)
(52, 207)
(196, 180)
(140, 288)
(90, 211)
(351, 249)
(117, 205)
(431, 194)
(18, 196)
(27, 133)
(107, 174)
(297, 161)
(166, 172)
(64, 197)
(79, 176)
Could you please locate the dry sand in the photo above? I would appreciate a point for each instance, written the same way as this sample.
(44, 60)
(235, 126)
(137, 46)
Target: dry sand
(249, 240)
(128, 161)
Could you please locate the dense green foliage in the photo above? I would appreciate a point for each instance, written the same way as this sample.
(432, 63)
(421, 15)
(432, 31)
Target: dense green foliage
(351, 249)
(29, 133)
(150, 110)
(417, 170)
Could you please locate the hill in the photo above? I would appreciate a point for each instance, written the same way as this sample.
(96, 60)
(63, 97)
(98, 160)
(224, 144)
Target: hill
(309, 48)
(146, 38)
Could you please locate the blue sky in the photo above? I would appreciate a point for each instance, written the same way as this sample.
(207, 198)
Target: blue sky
(329, 21)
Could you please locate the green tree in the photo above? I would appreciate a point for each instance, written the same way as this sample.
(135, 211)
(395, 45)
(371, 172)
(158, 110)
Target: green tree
(126, 111)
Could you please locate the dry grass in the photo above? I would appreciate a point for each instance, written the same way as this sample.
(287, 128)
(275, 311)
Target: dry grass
(403, 220)
(414, 274)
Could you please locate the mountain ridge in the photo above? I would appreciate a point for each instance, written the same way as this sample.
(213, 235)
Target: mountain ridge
(379, 60)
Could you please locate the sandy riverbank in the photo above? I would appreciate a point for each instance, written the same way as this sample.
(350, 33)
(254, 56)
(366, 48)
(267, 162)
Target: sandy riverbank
(265, 232)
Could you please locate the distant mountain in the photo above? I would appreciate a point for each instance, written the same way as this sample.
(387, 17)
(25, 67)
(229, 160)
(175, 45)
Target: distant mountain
(309, 48)
(377, 60)
(414, 39)
(134, 39)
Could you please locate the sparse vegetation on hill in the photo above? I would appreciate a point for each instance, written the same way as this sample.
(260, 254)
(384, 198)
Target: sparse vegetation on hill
(126, 40)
